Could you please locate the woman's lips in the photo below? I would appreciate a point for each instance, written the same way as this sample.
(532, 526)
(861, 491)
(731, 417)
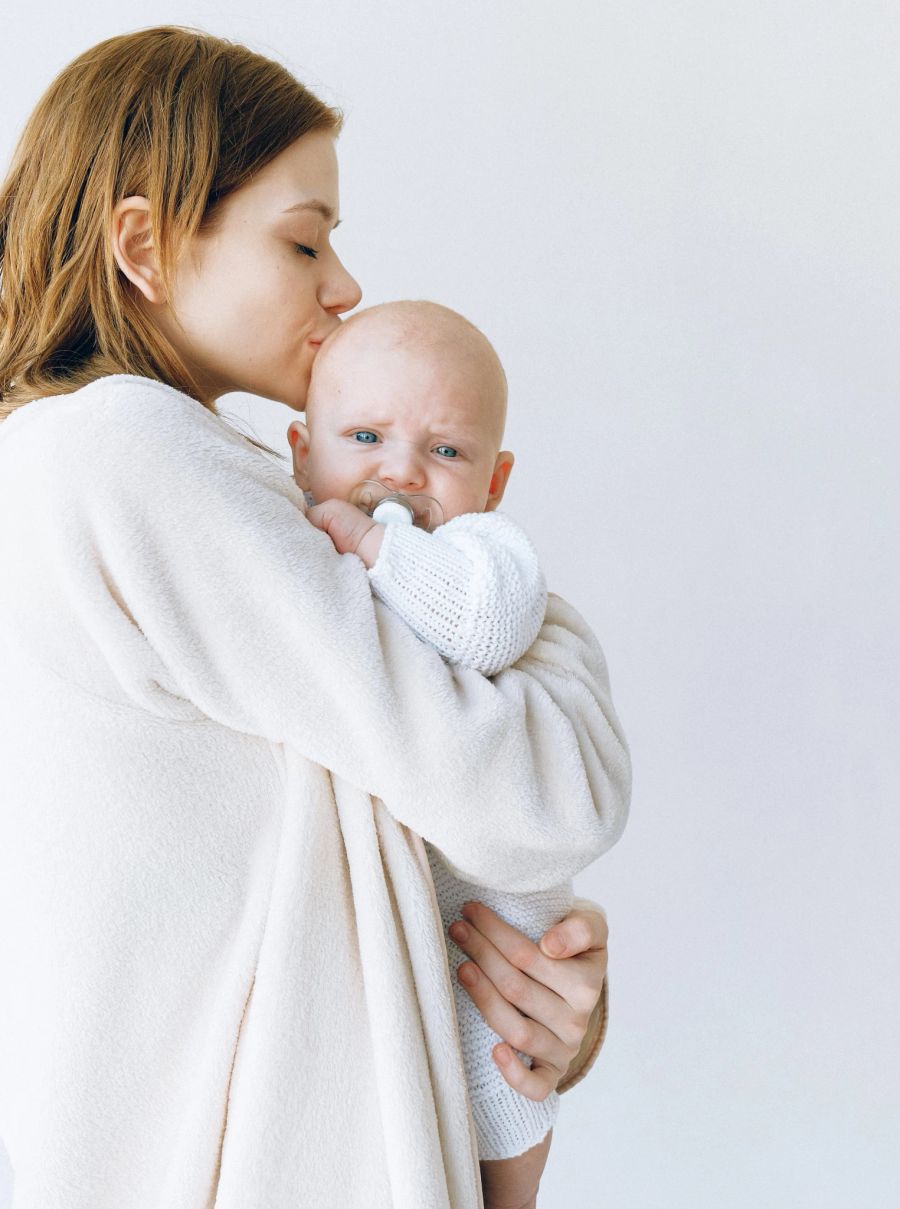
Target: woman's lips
(317, 340)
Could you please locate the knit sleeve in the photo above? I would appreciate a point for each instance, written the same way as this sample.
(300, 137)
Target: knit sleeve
(183, 559)
(472, 588)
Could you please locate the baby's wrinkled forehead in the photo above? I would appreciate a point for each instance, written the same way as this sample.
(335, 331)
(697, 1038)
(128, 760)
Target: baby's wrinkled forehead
(390, 336)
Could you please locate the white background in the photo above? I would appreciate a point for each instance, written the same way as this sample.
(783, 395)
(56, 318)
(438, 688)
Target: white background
(678, 222)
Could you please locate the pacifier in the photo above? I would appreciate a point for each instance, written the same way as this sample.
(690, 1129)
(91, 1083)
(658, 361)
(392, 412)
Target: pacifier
(392, 507)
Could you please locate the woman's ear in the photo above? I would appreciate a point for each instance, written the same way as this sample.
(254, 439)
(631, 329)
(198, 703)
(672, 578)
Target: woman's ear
(131, 237)
(298, 438)
(502, 470)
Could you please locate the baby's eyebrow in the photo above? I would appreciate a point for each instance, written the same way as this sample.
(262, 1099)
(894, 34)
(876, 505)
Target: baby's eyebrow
(318, 206)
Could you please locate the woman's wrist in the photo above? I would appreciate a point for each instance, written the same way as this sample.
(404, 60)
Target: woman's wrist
(593, 1039)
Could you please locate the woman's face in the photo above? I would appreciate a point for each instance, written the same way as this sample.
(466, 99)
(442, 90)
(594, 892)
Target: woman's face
(256, 297)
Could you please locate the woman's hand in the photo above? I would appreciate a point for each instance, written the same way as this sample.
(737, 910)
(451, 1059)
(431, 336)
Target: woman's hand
(538, 1001)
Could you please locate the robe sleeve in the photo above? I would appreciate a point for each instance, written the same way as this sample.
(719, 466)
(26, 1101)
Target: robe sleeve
(168, 529)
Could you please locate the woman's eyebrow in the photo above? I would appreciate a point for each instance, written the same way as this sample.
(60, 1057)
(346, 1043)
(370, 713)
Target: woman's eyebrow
(318, 206)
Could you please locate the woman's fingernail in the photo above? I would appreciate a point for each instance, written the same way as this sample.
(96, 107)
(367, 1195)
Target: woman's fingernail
(468, 974)
(554, 944)
(459, 932)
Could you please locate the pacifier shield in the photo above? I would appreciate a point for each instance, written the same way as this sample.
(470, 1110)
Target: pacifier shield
(425, 511)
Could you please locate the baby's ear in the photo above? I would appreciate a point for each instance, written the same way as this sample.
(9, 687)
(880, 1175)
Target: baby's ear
(502, 470)
(298, 439)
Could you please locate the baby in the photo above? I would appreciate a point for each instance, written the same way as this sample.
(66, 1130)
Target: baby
(411, 396)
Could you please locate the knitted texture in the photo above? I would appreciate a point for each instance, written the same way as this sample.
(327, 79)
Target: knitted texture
(472, 588)
(506, 1122)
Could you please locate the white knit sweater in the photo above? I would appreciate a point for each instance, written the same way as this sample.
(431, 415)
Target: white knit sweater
(473, 588)
(223, 968)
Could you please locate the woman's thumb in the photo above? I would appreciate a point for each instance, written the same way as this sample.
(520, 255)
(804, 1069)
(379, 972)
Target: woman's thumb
(553, 943)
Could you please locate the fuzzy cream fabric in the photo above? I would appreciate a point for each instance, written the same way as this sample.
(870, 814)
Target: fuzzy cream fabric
(224, 976)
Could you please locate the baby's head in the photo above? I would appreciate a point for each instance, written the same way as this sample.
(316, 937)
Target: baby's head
(412, 395)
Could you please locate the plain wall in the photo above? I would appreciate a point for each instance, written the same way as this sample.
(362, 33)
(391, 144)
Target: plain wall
(678, 224)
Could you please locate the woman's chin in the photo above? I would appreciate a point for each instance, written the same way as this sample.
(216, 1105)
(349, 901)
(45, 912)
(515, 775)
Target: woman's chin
(292, 395)
(295, 395)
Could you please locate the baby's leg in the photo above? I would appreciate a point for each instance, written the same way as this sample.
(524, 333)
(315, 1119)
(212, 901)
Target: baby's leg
(506, 1122)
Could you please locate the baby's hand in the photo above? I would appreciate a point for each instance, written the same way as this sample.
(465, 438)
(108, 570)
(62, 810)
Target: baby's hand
(352, 530)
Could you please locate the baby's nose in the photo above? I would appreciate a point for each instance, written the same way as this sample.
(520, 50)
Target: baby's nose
(402, 472)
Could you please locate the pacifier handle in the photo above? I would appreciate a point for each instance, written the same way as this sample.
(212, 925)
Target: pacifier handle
(392, 510)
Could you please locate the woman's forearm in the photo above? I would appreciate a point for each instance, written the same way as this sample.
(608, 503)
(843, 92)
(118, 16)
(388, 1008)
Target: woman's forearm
(513, 1183)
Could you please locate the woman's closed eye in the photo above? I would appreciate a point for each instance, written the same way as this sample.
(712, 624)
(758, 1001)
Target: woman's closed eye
(311, 252)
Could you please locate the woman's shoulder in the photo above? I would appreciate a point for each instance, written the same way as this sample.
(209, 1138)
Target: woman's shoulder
(126, 394)
(134, 420)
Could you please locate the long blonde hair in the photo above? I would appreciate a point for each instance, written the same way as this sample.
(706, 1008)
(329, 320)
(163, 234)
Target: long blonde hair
(171, 114)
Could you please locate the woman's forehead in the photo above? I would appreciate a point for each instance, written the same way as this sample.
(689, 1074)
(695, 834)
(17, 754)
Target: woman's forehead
(301, 180)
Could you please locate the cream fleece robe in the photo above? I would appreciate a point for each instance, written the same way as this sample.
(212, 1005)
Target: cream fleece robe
(225, 982)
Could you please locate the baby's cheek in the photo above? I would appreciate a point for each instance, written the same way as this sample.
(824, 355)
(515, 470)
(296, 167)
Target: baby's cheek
(470, 495)
(330, 483)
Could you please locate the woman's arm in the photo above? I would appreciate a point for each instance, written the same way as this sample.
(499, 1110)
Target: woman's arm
(203, 586)
(190, 560)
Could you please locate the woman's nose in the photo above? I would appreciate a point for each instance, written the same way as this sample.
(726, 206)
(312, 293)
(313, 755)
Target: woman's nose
(339, 292)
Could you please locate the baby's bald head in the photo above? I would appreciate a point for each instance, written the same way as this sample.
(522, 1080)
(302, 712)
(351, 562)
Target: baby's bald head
(412, 395)
(457, 349)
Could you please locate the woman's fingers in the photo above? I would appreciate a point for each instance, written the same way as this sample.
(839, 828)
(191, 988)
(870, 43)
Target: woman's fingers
(581, 931)
(577, 980)
(536, 1083)
(549, 1053)
(518, 993)
(540, 1005)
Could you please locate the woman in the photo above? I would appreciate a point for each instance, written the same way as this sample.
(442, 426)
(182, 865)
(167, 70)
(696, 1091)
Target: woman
(227, 982)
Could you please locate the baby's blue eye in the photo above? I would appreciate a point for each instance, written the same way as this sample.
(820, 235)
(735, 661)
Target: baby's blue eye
(363, 432)
(452, 451)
